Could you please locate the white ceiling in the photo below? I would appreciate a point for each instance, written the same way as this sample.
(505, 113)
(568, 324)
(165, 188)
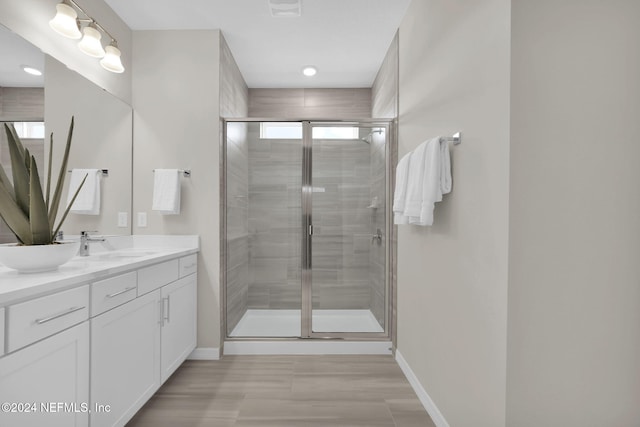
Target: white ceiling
(345, 39)
(15, 52)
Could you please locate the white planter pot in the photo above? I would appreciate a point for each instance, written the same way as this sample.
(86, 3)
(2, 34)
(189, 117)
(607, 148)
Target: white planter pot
(37, 258)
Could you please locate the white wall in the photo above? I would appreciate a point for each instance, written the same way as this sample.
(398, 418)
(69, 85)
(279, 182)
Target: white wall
(452, 277)
(30, 19)
(102, 139)
(574, 282)
(176, 125)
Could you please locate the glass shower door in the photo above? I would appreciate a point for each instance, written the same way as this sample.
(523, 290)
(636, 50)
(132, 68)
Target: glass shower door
(263, 228)
(305, 229)
(346, 226)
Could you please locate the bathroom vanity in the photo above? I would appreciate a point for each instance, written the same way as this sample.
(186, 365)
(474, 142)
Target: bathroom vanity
(90, 343)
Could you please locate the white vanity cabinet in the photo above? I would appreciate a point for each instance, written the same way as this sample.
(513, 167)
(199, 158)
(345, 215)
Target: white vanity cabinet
(51, 377)
(125, 359)
(136, 346)
(90, 349)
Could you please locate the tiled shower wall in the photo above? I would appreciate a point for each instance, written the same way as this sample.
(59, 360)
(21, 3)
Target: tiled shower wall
(377, 254)
(341, 217)
(264, 221)
(342, 224)
(275, 215)
(348, 272)
(234, 100)
(384, 105)
(237, 223)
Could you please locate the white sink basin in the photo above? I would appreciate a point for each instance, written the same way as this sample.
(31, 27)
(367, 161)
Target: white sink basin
(124, 254)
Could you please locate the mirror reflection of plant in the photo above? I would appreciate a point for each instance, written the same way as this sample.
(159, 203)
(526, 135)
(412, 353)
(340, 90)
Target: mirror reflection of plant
(23, 206)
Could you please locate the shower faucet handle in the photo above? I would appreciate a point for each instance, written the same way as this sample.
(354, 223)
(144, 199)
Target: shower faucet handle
(377, 236)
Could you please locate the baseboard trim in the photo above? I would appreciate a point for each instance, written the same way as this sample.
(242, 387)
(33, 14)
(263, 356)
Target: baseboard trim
(205, 353)
(306, 347)
(425, 399)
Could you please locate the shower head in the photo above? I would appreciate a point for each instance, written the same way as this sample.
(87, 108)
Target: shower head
(367, 138)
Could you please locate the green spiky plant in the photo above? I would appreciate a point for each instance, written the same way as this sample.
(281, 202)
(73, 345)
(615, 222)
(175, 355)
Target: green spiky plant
(30, 216)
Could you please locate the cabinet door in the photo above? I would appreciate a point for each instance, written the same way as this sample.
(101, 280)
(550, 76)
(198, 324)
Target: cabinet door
(179, 323)
(53, 375)
(125, 359)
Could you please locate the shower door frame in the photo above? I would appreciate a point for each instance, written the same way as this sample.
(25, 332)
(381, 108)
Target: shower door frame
(306, 331)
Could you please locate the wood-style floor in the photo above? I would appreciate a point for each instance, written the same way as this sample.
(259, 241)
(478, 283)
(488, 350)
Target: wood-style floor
(285, 391)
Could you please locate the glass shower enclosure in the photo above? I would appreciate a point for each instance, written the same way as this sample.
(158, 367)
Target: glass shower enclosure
(305, 229)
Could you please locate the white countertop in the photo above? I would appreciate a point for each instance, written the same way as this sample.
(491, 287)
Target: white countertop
(116, 255)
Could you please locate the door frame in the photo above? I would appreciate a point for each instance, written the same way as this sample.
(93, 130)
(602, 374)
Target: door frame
(306, 194)
(307, 234)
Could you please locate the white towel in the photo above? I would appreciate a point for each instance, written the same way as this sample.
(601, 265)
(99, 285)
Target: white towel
(400, 193)
(166, 191)
(431, 184)
(415, 181)
(437, 179)
(428, 179)
(88, 200)
(445, 167)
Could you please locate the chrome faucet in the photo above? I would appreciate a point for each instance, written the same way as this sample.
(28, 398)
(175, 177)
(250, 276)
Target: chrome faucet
(84, 241)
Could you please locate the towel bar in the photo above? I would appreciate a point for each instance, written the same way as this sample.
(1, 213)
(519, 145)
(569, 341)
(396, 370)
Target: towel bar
(456, 138)
(105, 172)
(185, 172)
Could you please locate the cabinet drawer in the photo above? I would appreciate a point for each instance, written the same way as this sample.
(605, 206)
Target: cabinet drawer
(33, 320)
(109, 293)
(156, 276)
(1, 331)
(188, 265)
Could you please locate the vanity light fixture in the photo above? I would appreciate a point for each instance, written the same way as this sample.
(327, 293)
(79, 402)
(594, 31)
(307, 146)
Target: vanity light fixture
(67, 24)
(309, 71)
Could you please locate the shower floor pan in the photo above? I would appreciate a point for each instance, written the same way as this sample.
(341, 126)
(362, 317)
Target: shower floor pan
(286, 323)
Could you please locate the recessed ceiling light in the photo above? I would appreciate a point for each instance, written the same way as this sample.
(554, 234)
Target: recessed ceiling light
(309, 71)
(31, 70)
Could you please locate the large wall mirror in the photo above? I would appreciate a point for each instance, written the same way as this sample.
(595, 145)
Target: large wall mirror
(102, 138)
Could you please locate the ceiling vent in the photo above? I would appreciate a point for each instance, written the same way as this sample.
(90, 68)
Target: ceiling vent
(285, 8)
